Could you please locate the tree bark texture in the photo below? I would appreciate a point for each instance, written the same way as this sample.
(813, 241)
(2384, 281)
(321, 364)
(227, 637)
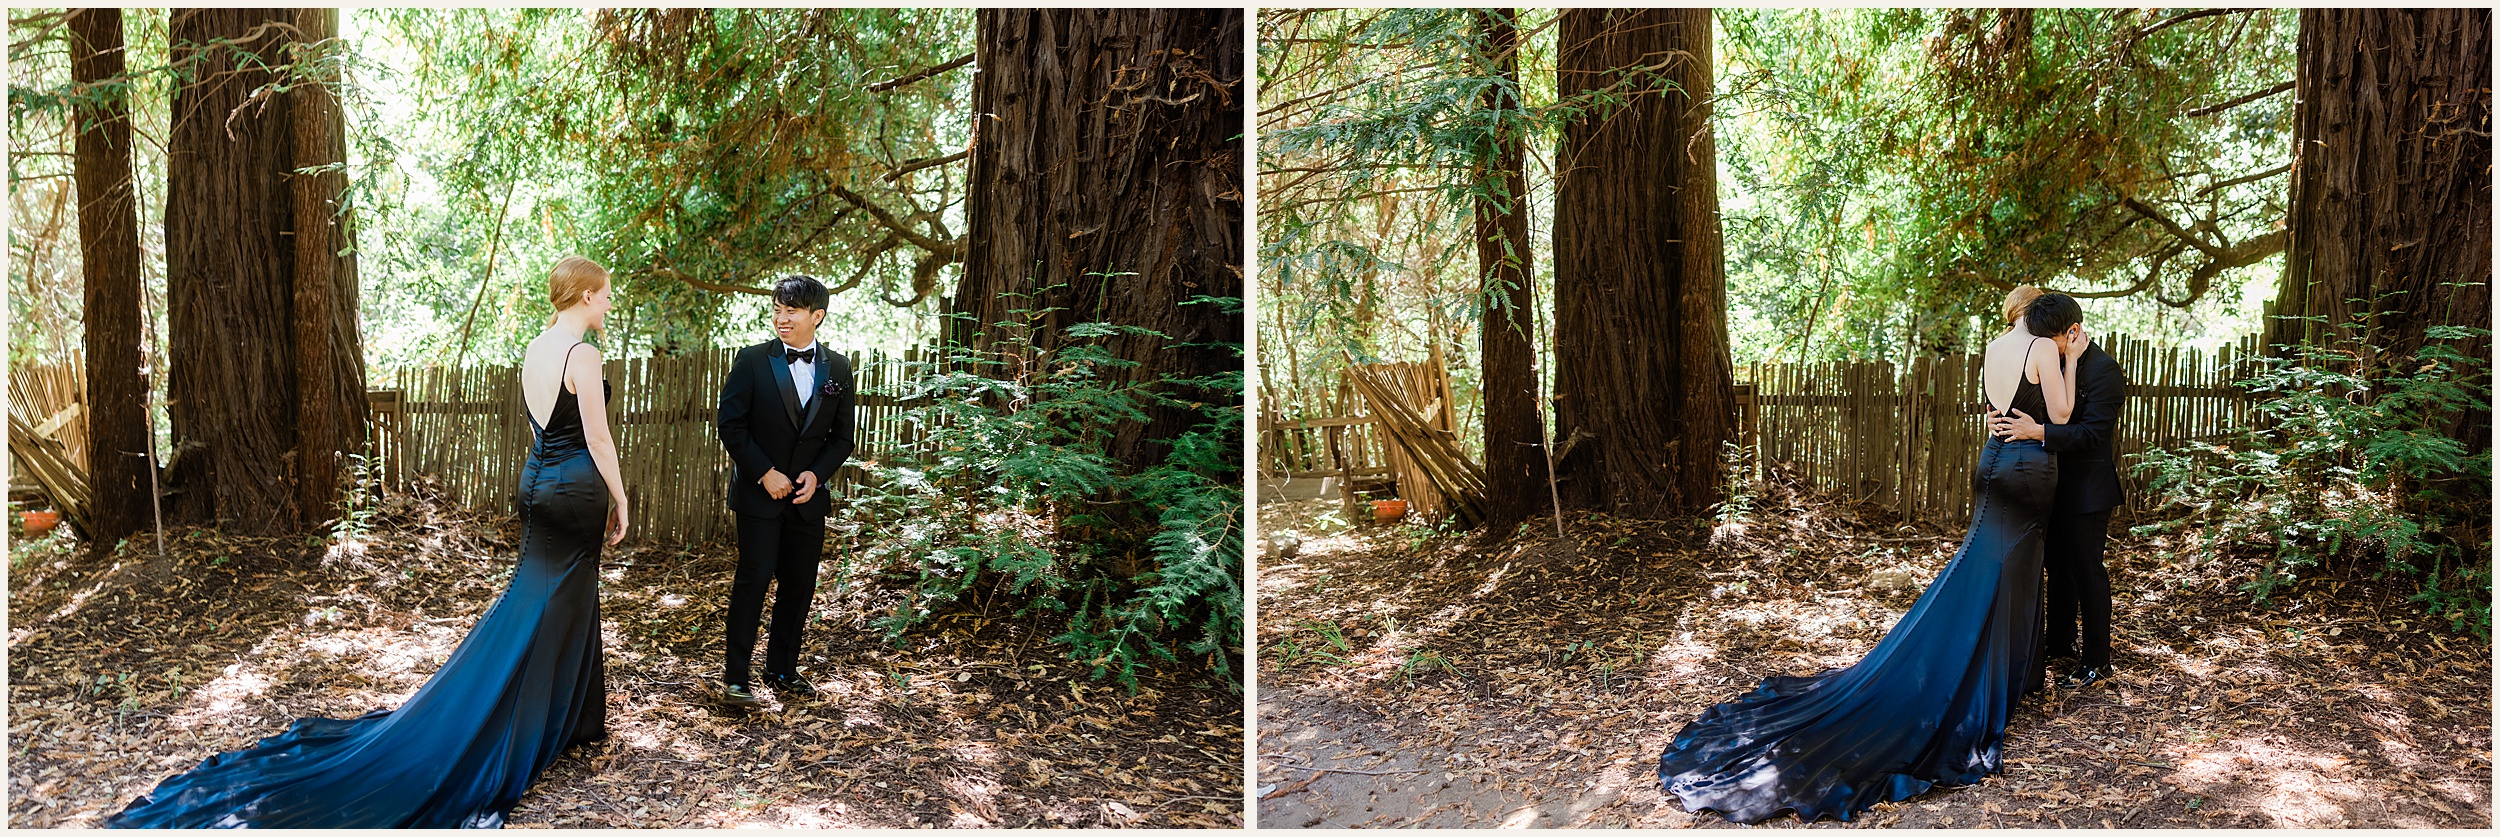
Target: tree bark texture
(114, 314)
(235, 398)
(2391, 180)
(329, 353)
(1644, 383)
(1106, 186)
(1514, 433)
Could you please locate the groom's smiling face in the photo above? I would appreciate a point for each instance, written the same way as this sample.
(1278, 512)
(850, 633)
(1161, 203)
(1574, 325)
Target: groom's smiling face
(796, 326)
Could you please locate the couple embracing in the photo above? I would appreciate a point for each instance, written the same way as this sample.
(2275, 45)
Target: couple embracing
(1928, 706)
(528, 681)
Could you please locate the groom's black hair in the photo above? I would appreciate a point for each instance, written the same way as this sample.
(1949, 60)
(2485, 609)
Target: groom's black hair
(799, 290)
(2051, 314)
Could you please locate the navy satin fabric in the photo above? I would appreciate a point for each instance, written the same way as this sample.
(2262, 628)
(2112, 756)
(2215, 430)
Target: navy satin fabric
(526, 683)
(1926, 708)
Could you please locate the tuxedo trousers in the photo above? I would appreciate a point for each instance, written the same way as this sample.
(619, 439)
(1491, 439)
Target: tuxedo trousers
(784, 549)
(2078, 585)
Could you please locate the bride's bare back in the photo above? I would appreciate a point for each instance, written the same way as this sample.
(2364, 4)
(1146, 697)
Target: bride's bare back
(543, 371)
(2003, 368)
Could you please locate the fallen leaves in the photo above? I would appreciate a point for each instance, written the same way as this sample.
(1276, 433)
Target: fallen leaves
(124, 673)
(1574, 660)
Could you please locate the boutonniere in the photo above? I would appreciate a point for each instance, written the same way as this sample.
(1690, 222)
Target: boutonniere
(834, 387)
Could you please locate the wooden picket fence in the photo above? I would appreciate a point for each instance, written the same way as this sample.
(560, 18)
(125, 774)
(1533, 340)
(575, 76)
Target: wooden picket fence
(465, 430)
(1908, 436)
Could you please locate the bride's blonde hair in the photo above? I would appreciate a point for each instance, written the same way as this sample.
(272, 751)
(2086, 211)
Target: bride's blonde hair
(573, 277)
(2019, 300)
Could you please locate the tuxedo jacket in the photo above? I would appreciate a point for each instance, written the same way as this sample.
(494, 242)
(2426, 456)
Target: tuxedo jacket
(764, 428)
(2086, 445)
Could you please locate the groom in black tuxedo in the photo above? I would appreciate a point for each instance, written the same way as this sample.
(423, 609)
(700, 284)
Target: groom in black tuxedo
(2087, 491)
(785, 418)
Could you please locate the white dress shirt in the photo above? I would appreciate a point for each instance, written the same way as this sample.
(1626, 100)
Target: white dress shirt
(802, 373)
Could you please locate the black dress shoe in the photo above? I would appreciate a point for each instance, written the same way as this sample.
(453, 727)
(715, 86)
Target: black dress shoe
(738, 696)
(2084, 677)
(789, 685)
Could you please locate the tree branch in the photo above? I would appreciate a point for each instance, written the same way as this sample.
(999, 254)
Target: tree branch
(2182, 233)
(708, 286)
(2175, 20)
(868, 261)
(917, 238)
(931, 72)
(916, 165)
(2227, 105)
(2244, 179)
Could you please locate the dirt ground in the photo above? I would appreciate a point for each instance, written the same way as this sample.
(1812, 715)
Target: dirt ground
(125, 670)
(1408, 680)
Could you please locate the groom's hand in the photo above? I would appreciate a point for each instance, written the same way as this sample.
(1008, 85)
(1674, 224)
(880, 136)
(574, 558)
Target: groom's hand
(2012, 424)
(807, 487)
(775, 484)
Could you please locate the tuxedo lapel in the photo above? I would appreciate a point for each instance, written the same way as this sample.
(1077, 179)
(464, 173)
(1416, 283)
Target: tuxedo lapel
(780, 369)
(824, 358)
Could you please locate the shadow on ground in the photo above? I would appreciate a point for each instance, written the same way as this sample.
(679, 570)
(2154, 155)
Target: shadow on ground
(1407, 680)
(124, 670)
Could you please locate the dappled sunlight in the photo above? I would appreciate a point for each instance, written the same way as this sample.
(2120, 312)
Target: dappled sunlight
(962, 727)
(1581, 659)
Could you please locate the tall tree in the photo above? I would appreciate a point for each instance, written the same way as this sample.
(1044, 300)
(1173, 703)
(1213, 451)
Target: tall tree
(1106, 187)
(237, 386)
(2391, 183)
(1514, 433)
(329, 352)
(108, 239)
(1643, 381)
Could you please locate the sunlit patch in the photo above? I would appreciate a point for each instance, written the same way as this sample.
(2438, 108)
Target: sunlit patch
(80, 598)
(229, 692)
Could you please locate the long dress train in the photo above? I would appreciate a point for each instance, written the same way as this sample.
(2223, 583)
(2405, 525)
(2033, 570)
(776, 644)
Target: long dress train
(526, 683)
(1926, 708)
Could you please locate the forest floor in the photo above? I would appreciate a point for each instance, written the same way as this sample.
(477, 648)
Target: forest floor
(1413, 680)
(124, 670)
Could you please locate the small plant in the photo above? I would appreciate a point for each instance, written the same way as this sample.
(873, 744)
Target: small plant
(1735, 509)
(358, 502)
(1424, 662)
(2348, 466)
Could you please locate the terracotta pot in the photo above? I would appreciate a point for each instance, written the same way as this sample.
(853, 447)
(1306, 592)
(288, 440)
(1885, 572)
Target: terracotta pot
(1385, 511)
(38, 523)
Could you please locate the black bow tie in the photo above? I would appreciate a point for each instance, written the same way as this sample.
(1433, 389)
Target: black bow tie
(797, 355)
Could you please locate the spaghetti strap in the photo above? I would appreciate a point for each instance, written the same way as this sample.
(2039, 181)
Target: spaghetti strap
(568, 364)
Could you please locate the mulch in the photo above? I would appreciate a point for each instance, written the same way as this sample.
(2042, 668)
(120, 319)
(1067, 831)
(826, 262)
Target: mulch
(125, 669)
(1556, 669)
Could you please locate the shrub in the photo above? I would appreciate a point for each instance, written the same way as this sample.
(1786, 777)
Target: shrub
(2347, 468)
(1014, 493)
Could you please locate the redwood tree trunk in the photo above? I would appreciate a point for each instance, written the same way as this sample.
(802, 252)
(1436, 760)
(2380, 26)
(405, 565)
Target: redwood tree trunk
(1644, 381)
(329, 355)
(1106, 184)
(2391, 183)
(229, 264)
(108, 244)
(1514, 434)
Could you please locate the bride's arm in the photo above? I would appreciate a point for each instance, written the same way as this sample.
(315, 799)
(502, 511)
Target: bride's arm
(2057, 379)
(582, 373)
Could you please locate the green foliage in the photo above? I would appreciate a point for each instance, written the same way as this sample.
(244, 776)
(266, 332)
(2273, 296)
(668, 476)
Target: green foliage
(675, 146)
(1018, 496)
(2348, 466)
(1889, 173)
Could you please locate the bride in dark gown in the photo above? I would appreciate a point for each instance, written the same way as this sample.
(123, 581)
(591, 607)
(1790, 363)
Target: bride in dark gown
(1928, 706)
(526, 683)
